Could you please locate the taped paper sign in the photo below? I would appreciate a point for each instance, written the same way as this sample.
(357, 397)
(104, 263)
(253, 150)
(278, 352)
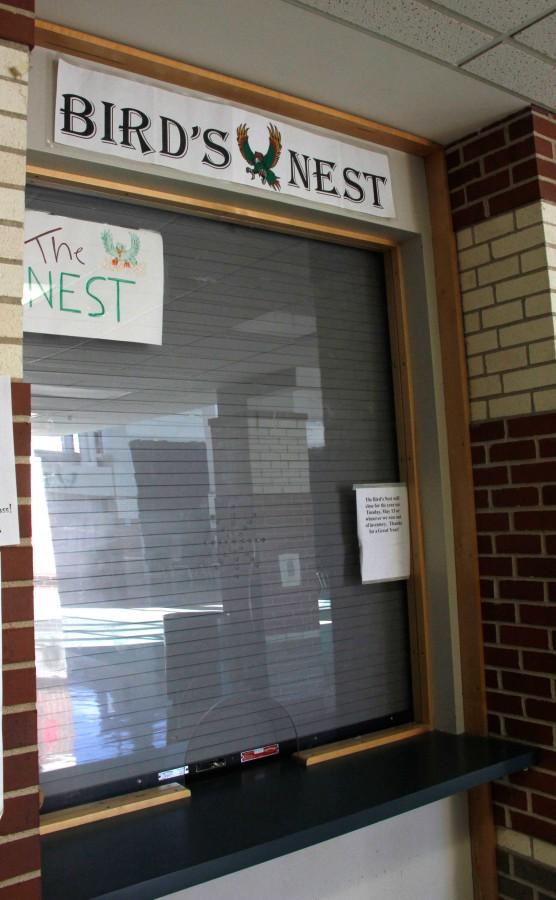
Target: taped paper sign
(91, 280)
(383, 531)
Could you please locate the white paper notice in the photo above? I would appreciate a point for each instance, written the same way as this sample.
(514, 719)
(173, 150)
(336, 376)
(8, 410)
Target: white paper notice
(383, 530)
(9, 521)
(92, 280)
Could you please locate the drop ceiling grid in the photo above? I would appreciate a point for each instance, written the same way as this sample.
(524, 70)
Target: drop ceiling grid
(508, 43)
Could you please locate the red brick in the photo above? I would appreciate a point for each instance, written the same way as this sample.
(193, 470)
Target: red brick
(491, 475)
(458, 177)
(498, 612)
(457, 198)
(478, 454)
(547, 446)
(523, 125)
(22, 438)
(526, 684)
(21, 399)
(18, 645)
(484, 543)
(483, 144)
(25, 524)
(538, 615)
(23, 479)
(509, 796)
(17, 604)
(491, 679)
(489, 633)
(528, 473)
(535, 520)
(493, 522)
(536, 567)
(512, 450)
(547, 759)
(549, 495)
(551, 543)
(541, 709)
(525, 170)
(23, 856)
(546, 831)
(547, 190)
(494, 724)
(487, 431)
(19, 687)
(17, 563)
(521, 636)
(499, 814)
(29, 5)
(543, 148)
(521, 590)
(481, 499)
(533, 732)
(512, 497)
(539, 662)
(552, 591)
(16, 27)
(504, 703)
(524, 426)
(544, 126)
(514, 198)
(496, 565)
(470, 215)
(486, 587)
(501, 658)
(518, 543)
(26, 890)
(21, 771)
(535, 780)
(544, 806)
(20, 814)
(20, 730)
(547, 168)
(453, 158)
(492, 184)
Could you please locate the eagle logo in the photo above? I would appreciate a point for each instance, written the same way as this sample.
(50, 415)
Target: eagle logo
(258, 164)
(122, 257)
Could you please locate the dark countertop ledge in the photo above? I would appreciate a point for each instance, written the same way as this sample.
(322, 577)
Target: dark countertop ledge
(265, 810)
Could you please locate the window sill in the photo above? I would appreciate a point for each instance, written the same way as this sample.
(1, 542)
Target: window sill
(261, 812)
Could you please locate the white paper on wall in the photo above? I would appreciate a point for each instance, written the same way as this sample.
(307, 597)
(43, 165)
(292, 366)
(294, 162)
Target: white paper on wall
(383, 531)
(92, 280)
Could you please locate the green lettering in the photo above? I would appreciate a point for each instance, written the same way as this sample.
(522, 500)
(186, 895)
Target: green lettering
(47, 294)
(118, 282)
(64, 290)
(94, 296)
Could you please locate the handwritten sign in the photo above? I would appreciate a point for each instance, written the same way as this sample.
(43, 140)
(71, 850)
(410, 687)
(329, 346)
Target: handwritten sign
(9, 521)
(101, 112)
(91, 280)
(383, 531)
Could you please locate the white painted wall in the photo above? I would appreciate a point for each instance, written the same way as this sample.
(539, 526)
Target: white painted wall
(421, 855)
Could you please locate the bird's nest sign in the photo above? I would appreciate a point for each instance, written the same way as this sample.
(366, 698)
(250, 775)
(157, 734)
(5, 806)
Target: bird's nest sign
(92, 280)
(100, 112)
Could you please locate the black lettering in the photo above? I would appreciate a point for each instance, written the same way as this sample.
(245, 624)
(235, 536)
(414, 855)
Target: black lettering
(348, 173)
(375, 180)
(72, 116)
(108, 136)
(322, 176)
(181, 149)
(218, 148)
(301, 170)
(127, 129)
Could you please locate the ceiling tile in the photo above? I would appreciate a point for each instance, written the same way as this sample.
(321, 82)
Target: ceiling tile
(541, 36)
(502, 15)
(519, 71)
(411, 23)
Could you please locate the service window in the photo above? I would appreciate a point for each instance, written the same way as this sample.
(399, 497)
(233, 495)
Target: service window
(198, 590)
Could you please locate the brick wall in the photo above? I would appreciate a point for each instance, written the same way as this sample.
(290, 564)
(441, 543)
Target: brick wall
(19, 840)
(503, 167)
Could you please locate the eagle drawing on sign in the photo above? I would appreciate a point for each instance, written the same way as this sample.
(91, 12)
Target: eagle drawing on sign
(119, 253)
(258, 164)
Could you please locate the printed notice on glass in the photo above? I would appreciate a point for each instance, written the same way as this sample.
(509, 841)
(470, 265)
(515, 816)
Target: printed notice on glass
(9, 522)
(383, 531)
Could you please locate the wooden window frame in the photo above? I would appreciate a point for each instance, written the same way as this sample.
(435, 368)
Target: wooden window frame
(450, 325)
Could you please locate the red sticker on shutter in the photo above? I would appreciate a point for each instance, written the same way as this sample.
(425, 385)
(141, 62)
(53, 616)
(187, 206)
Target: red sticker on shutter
(260, 752)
